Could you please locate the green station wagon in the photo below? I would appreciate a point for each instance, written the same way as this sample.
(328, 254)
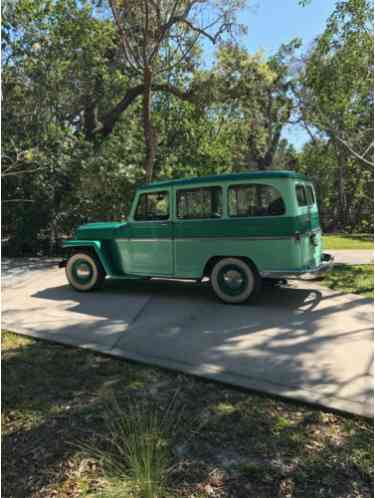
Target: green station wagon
(235, 229)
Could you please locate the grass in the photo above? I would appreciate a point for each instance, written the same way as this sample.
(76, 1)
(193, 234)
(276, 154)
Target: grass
(343, 241)
(137, 450)
(357, 279)
(62, 438)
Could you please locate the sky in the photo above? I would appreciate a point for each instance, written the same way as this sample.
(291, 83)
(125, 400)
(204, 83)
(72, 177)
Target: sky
(273, 22)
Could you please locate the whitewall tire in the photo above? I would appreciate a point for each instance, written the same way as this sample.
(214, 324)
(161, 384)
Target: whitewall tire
(84, 272)
(233, 281)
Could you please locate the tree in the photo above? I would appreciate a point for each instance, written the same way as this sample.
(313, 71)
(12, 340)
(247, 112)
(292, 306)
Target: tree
(157, 36)
(57, 60)
(318, 161)
(336, 93)
(258, 92)
(73, 143)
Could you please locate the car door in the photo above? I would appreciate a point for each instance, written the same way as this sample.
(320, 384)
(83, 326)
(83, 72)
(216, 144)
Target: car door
(151, 234)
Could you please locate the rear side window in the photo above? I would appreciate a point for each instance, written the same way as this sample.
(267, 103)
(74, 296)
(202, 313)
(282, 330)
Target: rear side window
(301, 195)
(200, 203)
(152, 206)
(310, 195)
(254, 200)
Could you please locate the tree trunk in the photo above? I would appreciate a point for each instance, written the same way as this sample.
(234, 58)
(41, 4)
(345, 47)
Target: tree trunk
(148, 129)
(342, 197)
(261, 164)
(341, 169)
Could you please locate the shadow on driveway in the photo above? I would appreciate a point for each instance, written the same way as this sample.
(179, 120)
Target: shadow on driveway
(301, 342)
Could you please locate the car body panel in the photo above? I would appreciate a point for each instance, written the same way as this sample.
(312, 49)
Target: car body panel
(99, 231)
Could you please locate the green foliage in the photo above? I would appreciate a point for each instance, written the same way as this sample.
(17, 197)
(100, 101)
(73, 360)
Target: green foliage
(59, 60)
(256, 93)
(336, 100)
(64, 80)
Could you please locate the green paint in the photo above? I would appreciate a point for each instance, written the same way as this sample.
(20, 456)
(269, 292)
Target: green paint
(181, 248)
(98, 231)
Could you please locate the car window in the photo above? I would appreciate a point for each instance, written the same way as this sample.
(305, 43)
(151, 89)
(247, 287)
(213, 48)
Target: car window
(255, 200)
(301, 195)
(152, 206)
(310, 195)
(197, 203)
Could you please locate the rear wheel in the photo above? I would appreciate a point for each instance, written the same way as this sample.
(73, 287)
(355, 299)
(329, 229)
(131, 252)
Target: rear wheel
(233, 281)
(84, 272)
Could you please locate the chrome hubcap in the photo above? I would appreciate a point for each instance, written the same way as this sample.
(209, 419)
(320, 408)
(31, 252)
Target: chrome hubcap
(83, 271)
(233, 279)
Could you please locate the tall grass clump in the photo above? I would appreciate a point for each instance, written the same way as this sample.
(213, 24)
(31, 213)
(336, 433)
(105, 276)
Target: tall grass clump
(136, 450)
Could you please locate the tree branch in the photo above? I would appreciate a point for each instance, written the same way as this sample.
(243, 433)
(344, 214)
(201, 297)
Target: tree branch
(22, 172)
(167, 88)
(201, 31)
(351, 150)
(364, 154)
(17, 200)
(111, 118)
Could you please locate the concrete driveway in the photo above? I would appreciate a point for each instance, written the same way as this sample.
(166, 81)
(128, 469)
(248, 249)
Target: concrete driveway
(302, 342)
(352, 256)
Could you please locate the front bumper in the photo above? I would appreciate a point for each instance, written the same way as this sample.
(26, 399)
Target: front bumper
(326, 264)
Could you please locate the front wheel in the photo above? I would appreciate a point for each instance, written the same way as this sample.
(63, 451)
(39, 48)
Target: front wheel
(233, 281)
(84, 272)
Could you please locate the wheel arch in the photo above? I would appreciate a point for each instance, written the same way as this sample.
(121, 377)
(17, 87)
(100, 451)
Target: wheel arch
(91, 246)
(214, 259)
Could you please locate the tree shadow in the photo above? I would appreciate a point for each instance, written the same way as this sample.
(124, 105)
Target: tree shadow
(275, 341)
(17, 271)
(57, 400)
(288, 341)
(59, 392)
(291, 341)
(351, 277)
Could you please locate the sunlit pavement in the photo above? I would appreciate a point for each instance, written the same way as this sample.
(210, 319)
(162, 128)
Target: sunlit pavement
(302, 341)
(352, 256)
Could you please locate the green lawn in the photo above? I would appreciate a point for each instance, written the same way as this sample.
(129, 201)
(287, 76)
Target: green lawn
(357, 279)
(230, 444)
(363, 241)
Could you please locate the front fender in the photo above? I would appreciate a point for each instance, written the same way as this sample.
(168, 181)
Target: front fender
(93, 244)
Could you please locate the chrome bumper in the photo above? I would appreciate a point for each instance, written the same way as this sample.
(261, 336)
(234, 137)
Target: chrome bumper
(325, 265)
